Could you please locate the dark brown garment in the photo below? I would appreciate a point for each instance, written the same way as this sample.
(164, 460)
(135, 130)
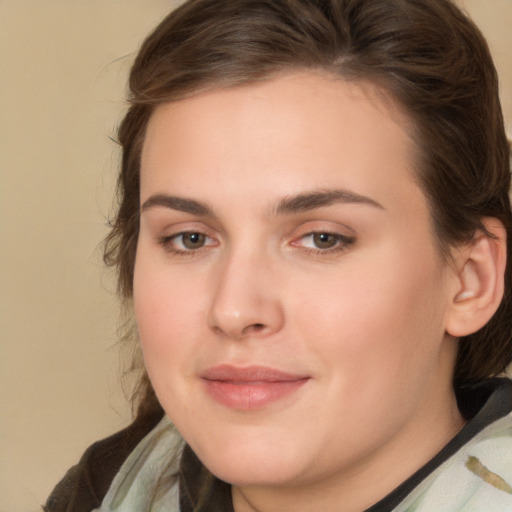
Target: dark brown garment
(84, 486)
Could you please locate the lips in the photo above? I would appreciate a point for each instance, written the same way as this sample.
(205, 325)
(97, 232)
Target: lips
(250, 388)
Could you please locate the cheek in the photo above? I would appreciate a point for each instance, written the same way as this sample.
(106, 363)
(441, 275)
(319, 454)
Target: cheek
(372, 331)
(378, 316)
(165, 309)
(164, 322)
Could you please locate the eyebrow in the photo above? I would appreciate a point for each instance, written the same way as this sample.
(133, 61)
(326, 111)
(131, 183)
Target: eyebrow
(292, 204)
(177, 203)
(320, 198)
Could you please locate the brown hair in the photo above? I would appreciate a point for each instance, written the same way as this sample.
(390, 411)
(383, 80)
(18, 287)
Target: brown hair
(426, 53)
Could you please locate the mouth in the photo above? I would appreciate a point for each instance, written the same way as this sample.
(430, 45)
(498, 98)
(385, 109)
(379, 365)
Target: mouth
(250, 388)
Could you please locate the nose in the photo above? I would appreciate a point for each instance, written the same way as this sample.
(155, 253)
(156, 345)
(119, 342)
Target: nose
(245, 301)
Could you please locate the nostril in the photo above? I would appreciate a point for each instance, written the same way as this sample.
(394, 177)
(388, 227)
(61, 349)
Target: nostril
(253, 329)
(218, 330)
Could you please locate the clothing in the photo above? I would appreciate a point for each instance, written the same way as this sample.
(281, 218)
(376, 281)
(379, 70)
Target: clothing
(473, 472)
(134, 484)
(84, 486)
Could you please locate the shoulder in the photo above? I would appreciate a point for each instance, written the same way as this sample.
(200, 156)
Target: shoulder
(83, 487)
(482, 471)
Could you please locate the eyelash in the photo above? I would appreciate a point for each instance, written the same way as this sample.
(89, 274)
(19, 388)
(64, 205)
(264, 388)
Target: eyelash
(167, 243)
(342, 243)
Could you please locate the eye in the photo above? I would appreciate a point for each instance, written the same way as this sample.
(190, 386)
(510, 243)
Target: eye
(324, 241)
(186, 242)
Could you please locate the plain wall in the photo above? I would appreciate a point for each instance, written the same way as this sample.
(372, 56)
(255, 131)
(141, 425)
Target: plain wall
(63, 67)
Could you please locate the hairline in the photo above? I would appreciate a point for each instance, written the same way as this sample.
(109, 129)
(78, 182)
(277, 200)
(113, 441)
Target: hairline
(375, 84)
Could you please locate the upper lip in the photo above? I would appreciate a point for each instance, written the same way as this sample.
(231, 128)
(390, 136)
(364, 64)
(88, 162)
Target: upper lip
(255, 373)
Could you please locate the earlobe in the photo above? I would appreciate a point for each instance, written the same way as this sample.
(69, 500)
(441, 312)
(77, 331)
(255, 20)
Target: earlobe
(480, 280)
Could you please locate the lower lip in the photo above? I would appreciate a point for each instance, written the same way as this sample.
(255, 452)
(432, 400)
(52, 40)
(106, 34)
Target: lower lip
(248, 396)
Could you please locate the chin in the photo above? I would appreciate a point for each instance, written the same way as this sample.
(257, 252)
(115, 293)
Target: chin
(247, 475)
(246, 464)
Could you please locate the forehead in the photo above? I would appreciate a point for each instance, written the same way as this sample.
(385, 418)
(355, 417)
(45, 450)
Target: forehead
(277, 138)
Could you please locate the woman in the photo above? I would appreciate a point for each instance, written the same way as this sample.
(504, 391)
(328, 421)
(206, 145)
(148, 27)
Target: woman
(314, 231)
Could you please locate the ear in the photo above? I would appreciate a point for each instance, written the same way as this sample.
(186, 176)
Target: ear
(480, 270)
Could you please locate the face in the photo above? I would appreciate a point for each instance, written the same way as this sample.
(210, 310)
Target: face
(290, 300)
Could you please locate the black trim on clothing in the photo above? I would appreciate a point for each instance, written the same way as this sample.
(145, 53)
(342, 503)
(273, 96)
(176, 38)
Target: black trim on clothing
(484, 403)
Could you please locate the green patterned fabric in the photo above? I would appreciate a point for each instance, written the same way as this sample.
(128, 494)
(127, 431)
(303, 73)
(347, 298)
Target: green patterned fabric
(134, 487)
(478, 478)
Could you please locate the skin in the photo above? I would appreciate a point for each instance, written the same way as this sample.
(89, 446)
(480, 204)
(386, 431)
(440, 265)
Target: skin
(363, 314)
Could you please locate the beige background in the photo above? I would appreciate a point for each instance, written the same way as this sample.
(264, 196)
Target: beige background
(63, 65)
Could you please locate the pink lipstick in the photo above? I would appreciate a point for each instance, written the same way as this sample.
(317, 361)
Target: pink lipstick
(251, 387)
